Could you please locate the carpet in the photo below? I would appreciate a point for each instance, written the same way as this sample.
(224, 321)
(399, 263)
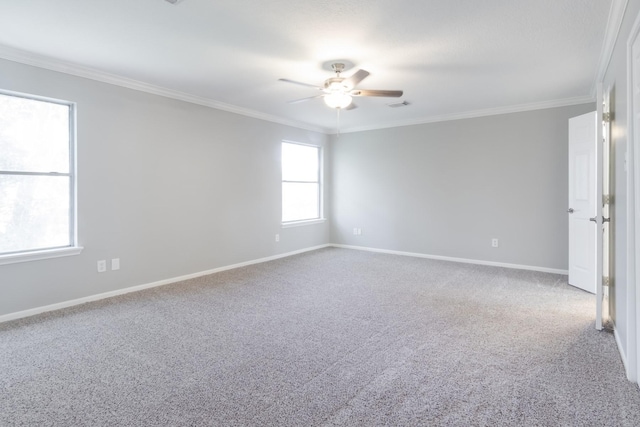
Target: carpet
(333, 337)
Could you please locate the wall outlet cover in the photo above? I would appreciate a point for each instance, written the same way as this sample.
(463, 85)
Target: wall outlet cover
(102, 266)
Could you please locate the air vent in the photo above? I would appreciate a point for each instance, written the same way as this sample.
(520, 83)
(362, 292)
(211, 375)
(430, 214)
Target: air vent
(398, 104)
(174, 1)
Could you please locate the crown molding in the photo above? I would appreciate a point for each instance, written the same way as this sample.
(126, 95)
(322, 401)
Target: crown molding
(614, 23)
(479, 113)
(41, 61)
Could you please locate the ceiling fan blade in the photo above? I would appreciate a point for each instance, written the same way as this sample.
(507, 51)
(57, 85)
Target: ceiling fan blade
(368, 92)
(356, 78)
(295, 101)
(300, 83)
(351, 106)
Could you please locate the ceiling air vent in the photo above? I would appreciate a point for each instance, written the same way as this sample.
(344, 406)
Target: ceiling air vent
(174, 1)
(398, 104)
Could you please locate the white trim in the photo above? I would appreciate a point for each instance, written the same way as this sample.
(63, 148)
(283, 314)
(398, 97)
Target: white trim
(635, 256)
(633, 327)
(41, 254)
(304, 222)
(623, 357)
(319, 180)
(453, 259)
(96, 297)
(41, 61)
(479, 113)
(599, 190)
(308, 144)
(74, 248)
(73, 133)
(53, 64)
(614, 22)
(34, 97)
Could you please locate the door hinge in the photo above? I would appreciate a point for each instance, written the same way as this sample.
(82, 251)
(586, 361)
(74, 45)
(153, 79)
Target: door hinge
(606, 281)
(606, 199)
(606, 117)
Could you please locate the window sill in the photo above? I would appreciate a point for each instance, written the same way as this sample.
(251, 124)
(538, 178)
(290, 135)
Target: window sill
(42, 254)
(301, 223)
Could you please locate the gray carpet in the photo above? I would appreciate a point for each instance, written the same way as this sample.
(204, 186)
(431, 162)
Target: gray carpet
(330, 337)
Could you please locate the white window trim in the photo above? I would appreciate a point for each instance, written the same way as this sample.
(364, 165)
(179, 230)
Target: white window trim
(39, 254)
(73, 248)
(289, 224)
(321, 218)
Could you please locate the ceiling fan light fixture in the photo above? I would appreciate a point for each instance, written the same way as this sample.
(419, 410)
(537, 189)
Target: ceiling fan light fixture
(338, 91)
(337, 100)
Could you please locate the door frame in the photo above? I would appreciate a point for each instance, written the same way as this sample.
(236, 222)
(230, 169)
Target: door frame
(633, 223)
(599, 225)
(605, 166)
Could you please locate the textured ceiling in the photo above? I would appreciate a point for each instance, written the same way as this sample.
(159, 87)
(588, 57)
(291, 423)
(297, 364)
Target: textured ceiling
(451, 57)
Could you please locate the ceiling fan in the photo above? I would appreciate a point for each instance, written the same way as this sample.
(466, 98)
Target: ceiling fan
(339, 91)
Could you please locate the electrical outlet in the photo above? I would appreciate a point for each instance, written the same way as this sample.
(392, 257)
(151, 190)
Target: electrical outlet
(277, 237)
(102, 266)
(115, 264)
(494, 243)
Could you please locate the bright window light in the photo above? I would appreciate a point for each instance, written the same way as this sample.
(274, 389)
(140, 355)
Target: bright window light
(36, 174)
(300, 182)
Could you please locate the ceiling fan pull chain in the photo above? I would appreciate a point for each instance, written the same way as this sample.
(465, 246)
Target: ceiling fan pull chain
(338, 122)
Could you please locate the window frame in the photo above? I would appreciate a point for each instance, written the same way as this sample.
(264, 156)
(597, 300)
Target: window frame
(73, 248)
(320, 181)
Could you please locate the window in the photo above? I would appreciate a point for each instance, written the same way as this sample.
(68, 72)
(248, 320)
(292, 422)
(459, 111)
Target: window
(300, 182)
(37, 181)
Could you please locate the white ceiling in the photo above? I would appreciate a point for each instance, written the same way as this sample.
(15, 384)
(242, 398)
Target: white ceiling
(452, 58)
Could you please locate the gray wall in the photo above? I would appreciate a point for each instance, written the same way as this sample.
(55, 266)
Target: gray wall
(169, 187)
(448, 188)
(616, 80)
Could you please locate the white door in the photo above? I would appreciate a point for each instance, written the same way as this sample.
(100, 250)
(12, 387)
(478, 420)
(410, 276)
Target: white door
(582, 201)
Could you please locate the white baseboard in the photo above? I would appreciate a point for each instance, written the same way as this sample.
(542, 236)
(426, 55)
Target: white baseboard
(623, 355)
(96, 297)
(71, 303)
(463, 260)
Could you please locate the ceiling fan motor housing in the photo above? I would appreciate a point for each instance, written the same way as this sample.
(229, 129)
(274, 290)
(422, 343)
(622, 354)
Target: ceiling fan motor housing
(335, 84)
